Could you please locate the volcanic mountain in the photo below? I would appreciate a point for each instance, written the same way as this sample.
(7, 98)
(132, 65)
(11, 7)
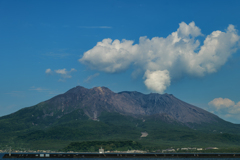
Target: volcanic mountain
(99, 99)
(83, 114)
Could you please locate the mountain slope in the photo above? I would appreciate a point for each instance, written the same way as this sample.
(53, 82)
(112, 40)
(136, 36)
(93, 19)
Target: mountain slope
(83, 114)
(96, 100)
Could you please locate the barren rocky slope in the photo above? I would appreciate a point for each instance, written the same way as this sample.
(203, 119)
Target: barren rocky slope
(96, 100)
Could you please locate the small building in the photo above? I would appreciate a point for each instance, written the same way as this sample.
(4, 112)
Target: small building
(101, 150)
(135, 151)
(211, 148)
(199, 149)
(184, 149)
(168, 150)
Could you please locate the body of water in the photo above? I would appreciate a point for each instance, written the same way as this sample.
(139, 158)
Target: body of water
(2, 154)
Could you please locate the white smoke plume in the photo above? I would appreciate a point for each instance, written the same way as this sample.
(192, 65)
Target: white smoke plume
(164, 59)
(157, 80)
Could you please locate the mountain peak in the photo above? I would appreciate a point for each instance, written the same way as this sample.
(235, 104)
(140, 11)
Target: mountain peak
(76, 89)
(102, 90)
(96, 100)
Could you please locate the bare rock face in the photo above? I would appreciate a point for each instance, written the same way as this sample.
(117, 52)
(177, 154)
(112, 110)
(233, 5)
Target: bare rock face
(168, 104)
(101, 99)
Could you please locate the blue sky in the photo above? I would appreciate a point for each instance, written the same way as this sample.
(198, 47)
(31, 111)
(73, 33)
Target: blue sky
(50, 46)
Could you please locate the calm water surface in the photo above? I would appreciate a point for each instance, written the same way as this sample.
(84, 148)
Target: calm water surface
(1, 155)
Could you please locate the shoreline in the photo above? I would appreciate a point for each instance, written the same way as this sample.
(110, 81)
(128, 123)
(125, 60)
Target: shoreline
(122, 155)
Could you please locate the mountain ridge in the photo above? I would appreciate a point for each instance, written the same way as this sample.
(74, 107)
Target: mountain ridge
(94, 101)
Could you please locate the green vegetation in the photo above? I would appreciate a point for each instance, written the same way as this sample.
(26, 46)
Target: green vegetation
(93, 146)
(23, 130)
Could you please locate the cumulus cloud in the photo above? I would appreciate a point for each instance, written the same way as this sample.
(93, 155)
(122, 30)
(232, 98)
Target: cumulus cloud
(64, 73)
(110, 56)
(178, 54)
(219, 103)
(226, 107)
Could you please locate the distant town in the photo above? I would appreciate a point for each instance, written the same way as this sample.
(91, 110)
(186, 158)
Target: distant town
(101, 150)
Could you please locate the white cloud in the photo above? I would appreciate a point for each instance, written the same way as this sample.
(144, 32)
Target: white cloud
(225, 107)
(110, 56)
(48, 71)
(186, 30)
(157, 80)
(91, 77)
(219, 103)
(64, 73)
(61, 71)
(179, 53)
(238, 104)
(235, 109)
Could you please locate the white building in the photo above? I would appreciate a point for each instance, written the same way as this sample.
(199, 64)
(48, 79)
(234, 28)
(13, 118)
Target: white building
(168, 150)
(211, 148)
(101, 150)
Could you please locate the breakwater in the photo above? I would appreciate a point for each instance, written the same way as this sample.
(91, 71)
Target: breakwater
(123, 155)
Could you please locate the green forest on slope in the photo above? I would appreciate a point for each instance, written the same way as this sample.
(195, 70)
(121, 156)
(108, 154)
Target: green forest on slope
(93, 146)
(109, 127)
